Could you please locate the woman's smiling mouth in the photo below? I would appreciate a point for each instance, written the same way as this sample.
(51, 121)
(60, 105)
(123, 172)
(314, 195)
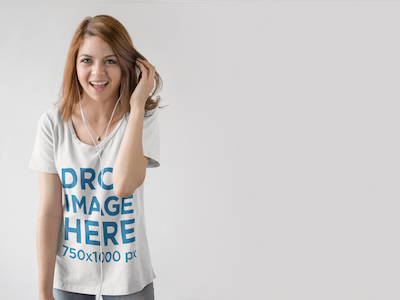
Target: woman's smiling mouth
(98, 86)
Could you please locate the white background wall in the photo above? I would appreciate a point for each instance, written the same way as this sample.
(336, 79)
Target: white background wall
(279, 174)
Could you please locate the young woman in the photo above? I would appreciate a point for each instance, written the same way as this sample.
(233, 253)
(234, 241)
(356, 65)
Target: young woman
(92, 151)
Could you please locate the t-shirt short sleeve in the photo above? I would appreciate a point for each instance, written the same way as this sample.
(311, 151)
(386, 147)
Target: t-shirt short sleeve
(151, 138)
(42, 158)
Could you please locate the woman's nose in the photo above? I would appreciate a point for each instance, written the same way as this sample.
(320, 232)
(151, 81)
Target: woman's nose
(98, 69)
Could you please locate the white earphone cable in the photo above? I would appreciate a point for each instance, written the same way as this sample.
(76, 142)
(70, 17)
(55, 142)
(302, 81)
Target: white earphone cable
(101, 255)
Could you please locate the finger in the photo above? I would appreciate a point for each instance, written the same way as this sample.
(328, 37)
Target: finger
(146, 63)
(152, 74)
(148, 71)
(143, 69)
(148, 66)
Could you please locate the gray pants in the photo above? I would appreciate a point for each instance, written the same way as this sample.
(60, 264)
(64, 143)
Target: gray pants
(146, 294)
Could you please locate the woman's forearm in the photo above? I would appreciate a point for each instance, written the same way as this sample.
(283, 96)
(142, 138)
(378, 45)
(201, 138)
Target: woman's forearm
(48, 231)
(130, 165)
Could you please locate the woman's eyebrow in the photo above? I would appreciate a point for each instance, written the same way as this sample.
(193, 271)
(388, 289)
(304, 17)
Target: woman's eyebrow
(92, 56)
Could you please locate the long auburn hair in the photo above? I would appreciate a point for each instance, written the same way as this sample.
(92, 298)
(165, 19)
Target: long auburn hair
(113, 33)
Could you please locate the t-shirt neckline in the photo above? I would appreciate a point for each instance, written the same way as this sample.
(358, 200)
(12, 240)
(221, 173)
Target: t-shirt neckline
(92, 147)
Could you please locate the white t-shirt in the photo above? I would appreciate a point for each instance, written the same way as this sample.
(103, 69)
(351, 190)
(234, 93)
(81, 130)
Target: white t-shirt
(120, 229)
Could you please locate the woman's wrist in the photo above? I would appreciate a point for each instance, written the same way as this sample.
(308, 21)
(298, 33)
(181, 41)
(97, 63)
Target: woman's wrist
(136, 110)
(46, 296)
(136, 105)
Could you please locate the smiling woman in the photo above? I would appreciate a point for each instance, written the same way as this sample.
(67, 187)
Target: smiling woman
(91, 236)
(98, 74)
(120, 53)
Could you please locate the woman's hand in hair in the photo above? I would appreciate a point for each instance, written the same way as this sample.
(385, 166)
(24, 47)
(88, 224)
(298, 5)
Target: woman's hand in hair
(145, 85)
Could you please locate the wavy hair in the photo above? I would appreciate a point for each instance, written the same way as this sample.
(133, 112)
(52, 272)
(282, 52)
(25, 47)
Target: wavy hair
(113, 33)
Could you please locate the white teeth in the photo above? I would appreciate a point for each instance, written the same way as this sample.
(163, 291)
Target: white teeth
(99, 83)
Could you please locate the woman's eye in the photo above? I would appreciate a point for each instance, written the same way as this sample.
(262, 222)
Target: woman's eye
(87, 60)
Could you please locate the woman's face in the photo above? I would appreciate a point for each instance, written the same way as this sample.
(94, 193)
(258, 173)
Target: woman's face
(97, 63)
